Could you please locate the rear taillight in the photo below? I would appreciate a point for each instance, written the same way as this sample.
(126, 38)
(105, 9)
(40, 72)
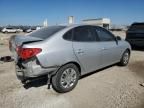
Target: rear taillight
(26, 53)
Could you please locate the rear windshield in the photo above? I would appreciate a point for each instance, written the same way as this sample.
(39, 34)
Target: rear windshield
(45, 33)
(137, 27)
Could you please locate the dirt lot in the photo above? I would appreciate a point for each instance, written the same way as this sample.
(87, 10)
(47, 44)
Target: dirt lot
(113, 87)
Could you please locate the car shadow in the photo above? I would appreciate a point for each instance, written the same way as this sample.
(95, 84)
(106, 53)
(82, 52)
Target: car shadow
(99, 70)
(38, 82)
(42, 81)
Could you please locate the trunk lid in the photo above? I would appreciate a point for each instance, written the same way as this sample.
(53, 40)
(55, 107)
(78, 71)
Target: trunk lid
(17, 41)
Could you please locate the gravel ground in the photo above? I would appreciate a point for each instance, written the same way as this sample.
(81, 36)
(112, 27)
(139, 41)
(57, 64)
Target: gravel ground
(113, 87)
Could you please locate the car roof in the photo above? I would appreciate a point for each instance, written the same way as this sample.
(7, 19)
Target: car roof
(138, 23)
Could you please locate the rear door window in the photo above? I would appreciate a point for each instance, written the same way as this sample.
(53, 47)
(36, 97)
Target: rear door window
(83, 34)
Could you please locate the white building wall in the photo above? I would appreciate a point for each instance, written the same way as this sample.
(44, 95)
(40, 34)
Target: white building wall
(99, 22)
(71, 20)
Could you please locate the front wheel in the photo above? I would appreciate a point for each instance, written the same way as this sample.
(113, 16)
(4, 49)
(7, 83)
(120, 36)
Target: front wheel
(66, 78)
(125, 58)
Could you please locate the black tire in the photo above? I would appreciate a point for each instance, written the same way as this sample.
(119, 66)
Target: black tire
(56, 80)
(125, 58)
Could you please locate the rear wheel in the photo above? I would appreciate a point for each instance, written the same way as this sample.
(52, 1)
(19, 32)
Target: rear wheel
(66, 78)
(125, 58)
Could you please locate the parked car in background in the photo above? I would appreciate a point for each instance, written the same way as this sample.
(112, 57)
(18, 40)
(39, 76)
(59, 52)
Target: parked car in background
(28, 30)
(18, 29)
(25, 29)
(135, 35)
(64, 53)
(9, 30)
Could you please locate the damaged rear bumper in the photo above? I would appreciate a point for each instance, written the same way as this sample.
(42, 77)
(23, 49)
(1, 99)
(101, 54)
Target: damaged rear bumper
(30, 70)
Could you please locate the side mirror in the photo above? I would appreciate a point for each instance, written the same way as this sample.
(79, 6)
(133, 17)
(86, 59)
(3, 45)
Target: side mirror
(118, 38)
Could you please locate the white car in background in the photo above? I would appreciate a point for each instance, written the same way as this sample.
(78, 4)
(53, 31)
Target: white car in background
(19, 30)
(11, 30)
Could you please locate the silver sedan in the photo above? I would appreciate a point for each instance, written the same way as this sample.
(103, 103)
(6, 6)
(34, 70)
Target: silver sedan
(64, 53)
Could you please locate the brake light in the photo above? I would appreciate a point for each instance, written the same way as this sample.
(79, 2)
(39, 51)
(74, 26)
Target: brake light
(26, 53)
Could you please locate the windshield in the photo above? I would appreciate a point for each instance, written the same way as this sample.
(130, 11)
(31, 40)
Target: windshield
(45, 33)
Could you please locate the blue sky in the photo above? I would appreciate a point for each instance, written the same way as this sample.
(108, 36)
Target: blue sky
(33, 12)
